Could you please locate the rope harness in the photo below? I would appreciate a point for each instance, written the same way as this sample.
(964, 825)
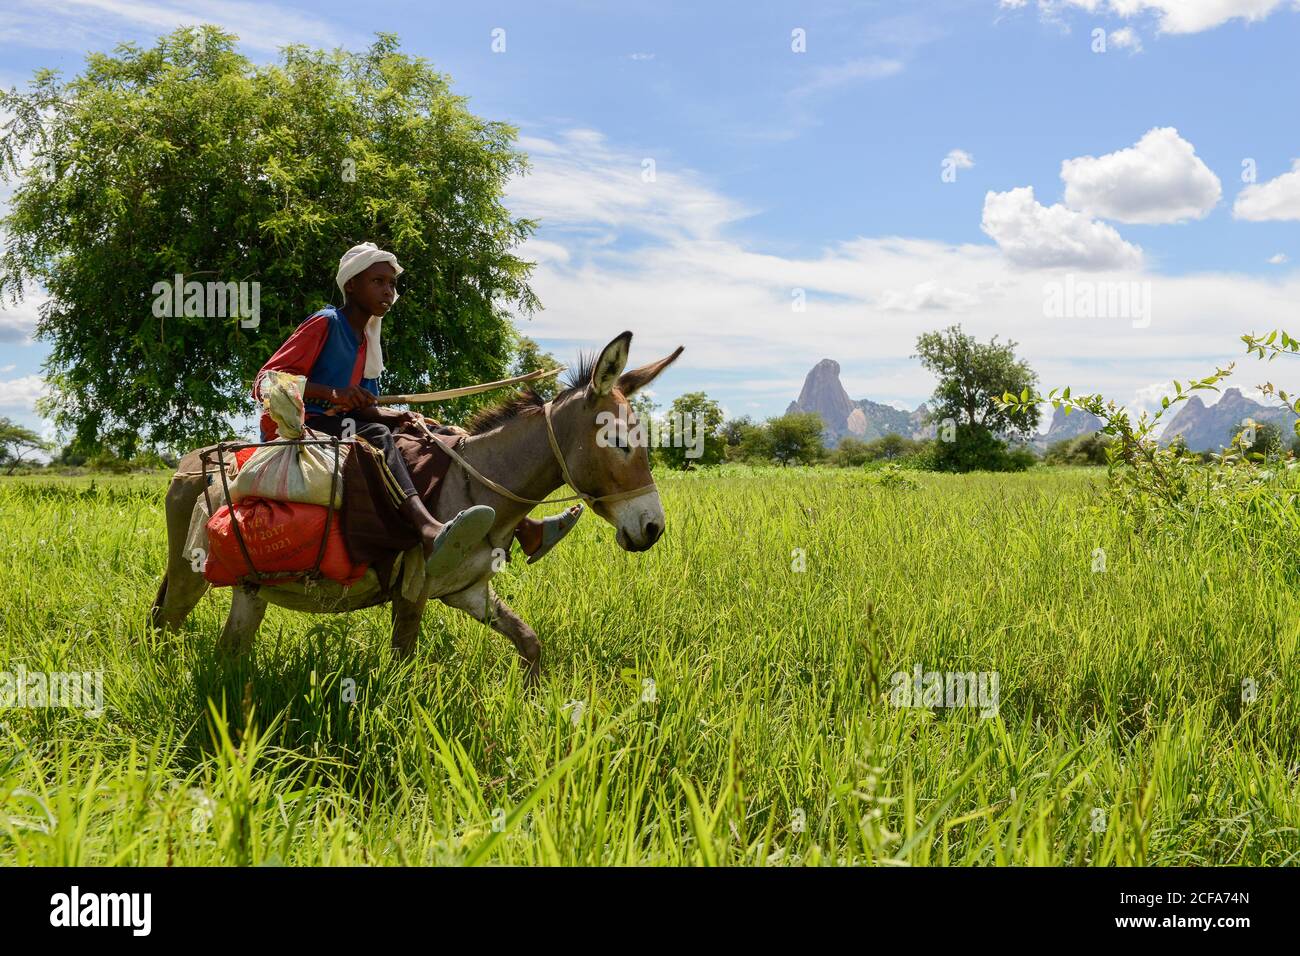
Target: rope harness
(578, 495)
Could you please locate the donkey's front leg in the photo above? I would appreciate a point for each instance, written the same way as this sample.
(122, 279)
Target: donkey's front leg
(246, 613)
(482, 603)
(406, 625)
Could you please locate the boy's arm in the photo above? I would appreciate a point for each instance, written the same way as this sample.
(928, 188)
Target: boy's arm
(298, 354)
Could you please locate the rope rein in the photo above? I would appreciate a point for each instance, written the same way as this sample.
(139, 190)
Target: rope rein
(578, 495)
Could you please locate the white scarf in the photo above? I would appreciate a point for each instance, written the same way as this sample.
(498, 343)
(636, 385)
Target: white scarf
(355, 261)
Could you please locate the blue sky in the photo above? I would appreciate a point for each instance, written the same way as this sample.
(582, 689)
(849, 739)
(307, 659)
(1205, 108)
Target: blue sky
(777, 171)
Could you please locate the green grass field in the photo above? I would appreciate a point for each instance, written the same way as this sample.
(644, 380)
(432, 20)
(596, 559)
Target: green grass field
(1122, 734)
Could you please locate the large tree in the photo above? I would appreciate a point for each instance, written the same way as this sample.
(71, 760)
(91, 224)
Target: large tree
(185, 158)
(973, 424)
(973, 377)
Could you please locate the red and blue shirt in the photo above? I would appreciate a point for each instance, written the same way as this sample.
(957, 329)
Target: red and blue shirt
(326, 350)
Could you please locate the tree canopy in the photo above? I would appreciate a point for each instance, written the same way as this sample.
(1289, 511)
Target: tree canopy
(699, 419)
(973, 377)
(186, 158)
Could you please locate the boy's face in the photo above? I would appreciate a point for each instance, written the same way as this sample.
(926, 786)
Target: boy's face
(374, 289)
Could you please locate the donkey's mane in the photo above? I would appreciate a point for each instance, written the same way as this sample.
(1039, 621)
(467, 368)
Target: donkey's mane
(527, 401)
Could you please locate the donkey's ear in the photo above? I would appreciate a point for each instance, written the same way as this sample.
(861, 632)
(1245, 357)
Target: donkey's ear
(613, 357)
(629, 383)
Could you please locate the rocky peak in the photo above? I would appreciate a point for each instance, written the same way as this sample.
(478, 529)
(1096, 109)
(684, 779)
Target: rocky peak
(824, 394)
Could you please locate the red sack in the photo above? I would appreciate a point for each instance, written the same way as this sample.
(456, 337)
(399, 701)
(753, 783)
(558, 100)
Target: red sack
(280, 536)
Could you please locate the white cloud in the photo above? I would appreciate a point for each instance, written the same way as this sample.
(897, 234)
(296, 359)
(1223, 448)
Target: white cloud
(1277, 259)
(1276, 199)
(1193, 16)
(927, 296)
(21, 393)
(1125, 38)
(1148, 397)
(588, 187)
(18, 321)
(1037, 236)
(959, 159)
(1158, 180)
(641, 56)
(1173, 16)
(78, 24)
(693, 280)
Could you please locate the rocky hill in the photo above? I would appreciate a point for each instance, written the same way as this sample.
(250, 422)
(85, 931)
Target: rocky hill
(1211, 427)
(1066, 426)
(823, 394)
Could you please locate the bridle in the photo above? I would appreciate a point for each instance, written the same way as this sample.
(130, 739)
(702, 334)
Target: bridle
(578, 495)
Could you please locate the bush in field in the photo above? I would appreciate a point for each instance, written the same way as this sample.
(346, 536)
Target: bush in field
(796, 438)
(786, 440)
(1080, 450)
(854, 452)
(972, 377)
(850, 453)
(1262, 439)
(975, 448)
(1162, 487)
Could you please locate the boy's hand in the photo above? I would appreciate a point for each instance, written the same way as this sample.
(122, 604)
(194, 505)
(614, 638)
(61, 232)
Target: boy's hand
(353, 398)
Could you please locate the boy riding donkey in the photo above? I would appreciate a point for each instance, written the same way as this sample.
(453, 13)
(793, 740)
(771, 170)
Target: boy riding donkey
(338, 351)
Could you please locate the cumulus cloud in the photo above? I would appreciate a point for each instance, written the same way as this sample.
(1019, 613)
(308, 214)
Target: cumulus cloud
(18, 321)
(1276, 199)
(1037, 236)
(1277, 259)
(21, 393)
(692, 277)
(1160, 179)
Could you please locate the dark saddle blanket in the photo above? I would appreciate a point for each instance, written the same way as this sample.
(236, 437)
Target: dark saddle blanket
(374, 531)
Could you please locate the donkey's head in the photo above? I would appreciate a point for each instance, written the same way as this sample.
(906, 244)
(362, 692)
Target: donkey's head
(597, 432)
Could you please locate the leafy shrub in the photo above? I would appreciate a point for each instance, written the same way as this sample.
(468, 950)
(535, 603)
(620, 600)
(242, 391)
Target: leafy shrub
(1081, 450)
(975, 448)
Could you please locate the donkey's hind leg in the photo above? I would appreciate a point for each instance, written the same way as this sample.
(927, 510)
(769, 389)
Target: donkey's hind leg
(179, 591)
(246, 613)
(406, 625)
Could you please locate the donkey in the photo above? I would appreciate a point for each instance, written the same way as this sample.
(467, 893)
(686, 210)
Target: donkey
(526, 448)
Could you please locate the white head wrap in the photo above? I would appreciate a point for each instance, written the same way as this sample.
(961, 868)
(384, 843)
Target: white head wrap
(355, 261)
